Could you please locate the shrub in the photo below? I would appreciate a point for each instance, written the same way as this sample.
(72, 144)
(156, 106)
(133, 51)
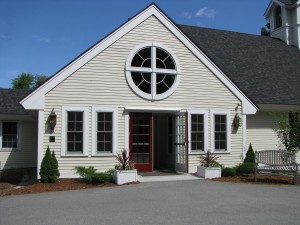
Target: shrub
(49, 168)
(245, 168)
(124, 162)
(90, 176)
(250, 156)
(228, 172)
(209, 160)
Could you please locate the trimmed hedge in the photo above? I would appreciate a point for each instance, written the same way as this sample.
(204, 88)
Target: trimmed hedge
(246, 168)
(228, 172)
(90, 176)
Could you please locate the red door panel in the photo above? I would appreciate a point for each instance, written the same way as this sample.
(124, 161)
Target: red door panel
(140, 141)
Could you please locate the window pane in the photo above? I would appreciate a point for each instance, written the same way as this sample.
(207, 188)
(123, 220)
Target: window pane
(104, 135)
(75, 132)
(164, 60)
(9, 134)
(142, 58)
(197, 132)
(71, 116)
(220, 132)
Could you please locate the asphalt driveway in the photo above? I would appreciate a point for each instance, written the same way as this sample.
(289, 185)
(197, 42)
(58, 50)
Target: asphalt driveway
(177, 202)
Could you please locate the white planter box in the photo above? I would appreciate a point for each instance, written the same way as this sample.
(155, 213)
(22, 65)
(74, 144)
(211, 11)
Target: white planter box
(125, 176)
(208, 172)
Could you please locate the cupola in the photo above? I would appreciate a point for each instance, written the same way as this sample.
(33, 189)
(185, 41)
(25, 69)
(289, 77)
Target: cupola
(284, 17)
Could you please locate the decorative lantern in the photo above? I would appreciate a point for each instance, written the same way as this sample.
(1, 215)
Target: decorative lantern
(236, 121)
(52, 121)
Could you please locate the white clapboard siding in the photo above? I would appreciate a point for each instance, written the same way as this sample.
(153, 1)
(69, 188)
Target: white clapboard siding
(260, 131)
(27, 156)
(102, 82)
(261, 134)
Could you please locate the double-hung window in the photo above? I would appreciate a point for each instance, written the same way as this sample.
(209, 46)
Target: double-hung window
(74, 130)
(198, 131)
(220, 131)
(104, 130)
(10, 135)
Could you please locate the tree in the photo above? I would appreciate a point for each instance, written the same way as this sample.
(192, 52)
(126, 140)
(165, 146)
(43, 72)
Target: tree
(49, 168)
(38, 80)
(28, 81)
(250, 156)
(265, 31)
(288, 131)
(23, 81)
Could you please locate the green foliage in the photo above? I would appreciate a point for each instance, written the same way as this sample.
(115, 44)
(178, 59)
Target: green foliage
(209, 160)
(250, 156)
(38, 80)
(228, 172)
(28, 81)
(265, 31)
(23, 81)
(245, 168)
(55, 165)
(90, 176)
(49, 168)
(288, 131)
(124, 162)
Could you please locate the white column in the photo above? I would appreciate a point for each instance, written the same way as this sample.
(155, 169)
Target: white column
(41, 129)
(244, 136)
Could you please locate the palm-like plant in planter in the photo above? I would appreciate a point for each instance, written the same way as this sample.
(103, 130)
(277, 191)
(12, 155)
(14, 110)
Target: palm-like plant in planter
(125, 172)
(209, 167)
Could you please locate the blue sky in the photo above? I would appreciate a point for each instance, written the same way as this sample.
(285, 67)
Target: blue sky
(41, 36)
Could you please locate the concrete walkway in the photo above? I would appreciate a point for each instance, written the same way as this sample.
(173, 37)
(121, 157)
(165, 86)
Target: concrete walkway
(177, 177)
(154, 203)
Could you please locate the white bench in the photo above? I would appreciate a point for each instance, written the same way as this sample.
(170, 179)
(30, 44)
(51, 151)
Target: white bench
(275, 161)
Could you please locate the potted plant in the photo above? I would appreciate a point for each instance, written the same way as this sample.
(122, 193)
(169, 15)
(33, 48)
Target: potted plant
(124, 171)
(209, 167)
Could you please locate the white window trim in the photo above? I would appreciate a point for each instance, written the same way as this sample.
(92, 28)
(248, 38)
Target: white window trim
(19, 136)
(152, 70)
(85, 111)
(205, 120)
(228, 130)
(114, 130)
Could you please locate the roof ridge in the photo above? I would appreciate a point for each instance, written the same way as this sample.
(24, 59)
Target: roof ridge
(227, 31)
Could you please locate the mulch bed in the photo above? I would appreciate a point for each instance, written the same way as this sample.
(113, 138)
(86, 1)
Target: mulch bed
(62, 185)
(261, 179)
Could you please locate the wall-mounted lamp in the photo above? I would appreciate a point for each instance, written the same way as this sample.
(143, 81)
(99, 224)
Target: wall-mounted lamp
(52, 121)
(236, 121)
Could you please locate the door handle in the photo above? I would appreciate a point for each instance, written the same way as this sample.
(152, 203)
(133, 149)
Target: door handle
(179, 143)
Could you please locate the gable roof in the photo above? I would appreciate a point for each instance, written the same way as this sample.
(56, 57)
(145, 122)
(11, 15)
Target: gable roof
(266, 69)
(35, 100)
(9, 101)
(288, 2)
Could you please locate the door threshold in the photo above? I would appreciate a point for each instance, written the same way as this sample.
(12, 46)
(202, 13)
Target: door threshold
(174, 177)
(159, 173)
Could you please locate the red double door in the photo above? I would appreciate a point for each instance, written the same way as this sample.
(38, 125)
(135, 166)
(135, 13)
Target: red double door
(140, 141)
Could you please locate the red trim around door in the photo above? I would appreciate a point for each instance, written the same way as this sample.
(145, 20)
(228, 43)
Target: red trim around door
(140, 141)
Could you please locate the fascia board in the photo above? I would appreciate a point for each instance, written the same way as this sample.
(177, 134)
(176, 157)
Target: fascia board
(30, 102)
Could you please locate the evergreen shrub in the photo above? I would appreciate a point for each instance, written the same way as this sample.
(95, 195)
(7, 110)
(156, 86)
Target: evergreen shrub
(49, 168)
(250, 156)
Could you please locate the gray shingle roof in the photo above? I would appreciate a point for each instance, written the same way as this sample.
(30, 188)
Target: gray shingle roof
(288, 2)
(264, 68)
(9, 101)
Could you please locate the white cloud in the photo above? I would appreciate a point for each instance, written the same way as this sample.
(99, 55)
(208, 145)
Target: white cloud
(187, 15)
(41, 39)
(205, 11)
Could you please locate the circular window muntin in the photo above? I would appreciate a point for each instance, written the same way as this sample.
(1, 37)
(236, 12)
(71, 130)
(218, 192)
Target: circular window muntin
(153, 70)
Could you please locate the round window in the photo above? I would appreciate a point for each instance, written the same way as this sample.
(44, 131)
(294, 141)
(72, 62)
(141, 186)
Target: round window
(151, 72)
